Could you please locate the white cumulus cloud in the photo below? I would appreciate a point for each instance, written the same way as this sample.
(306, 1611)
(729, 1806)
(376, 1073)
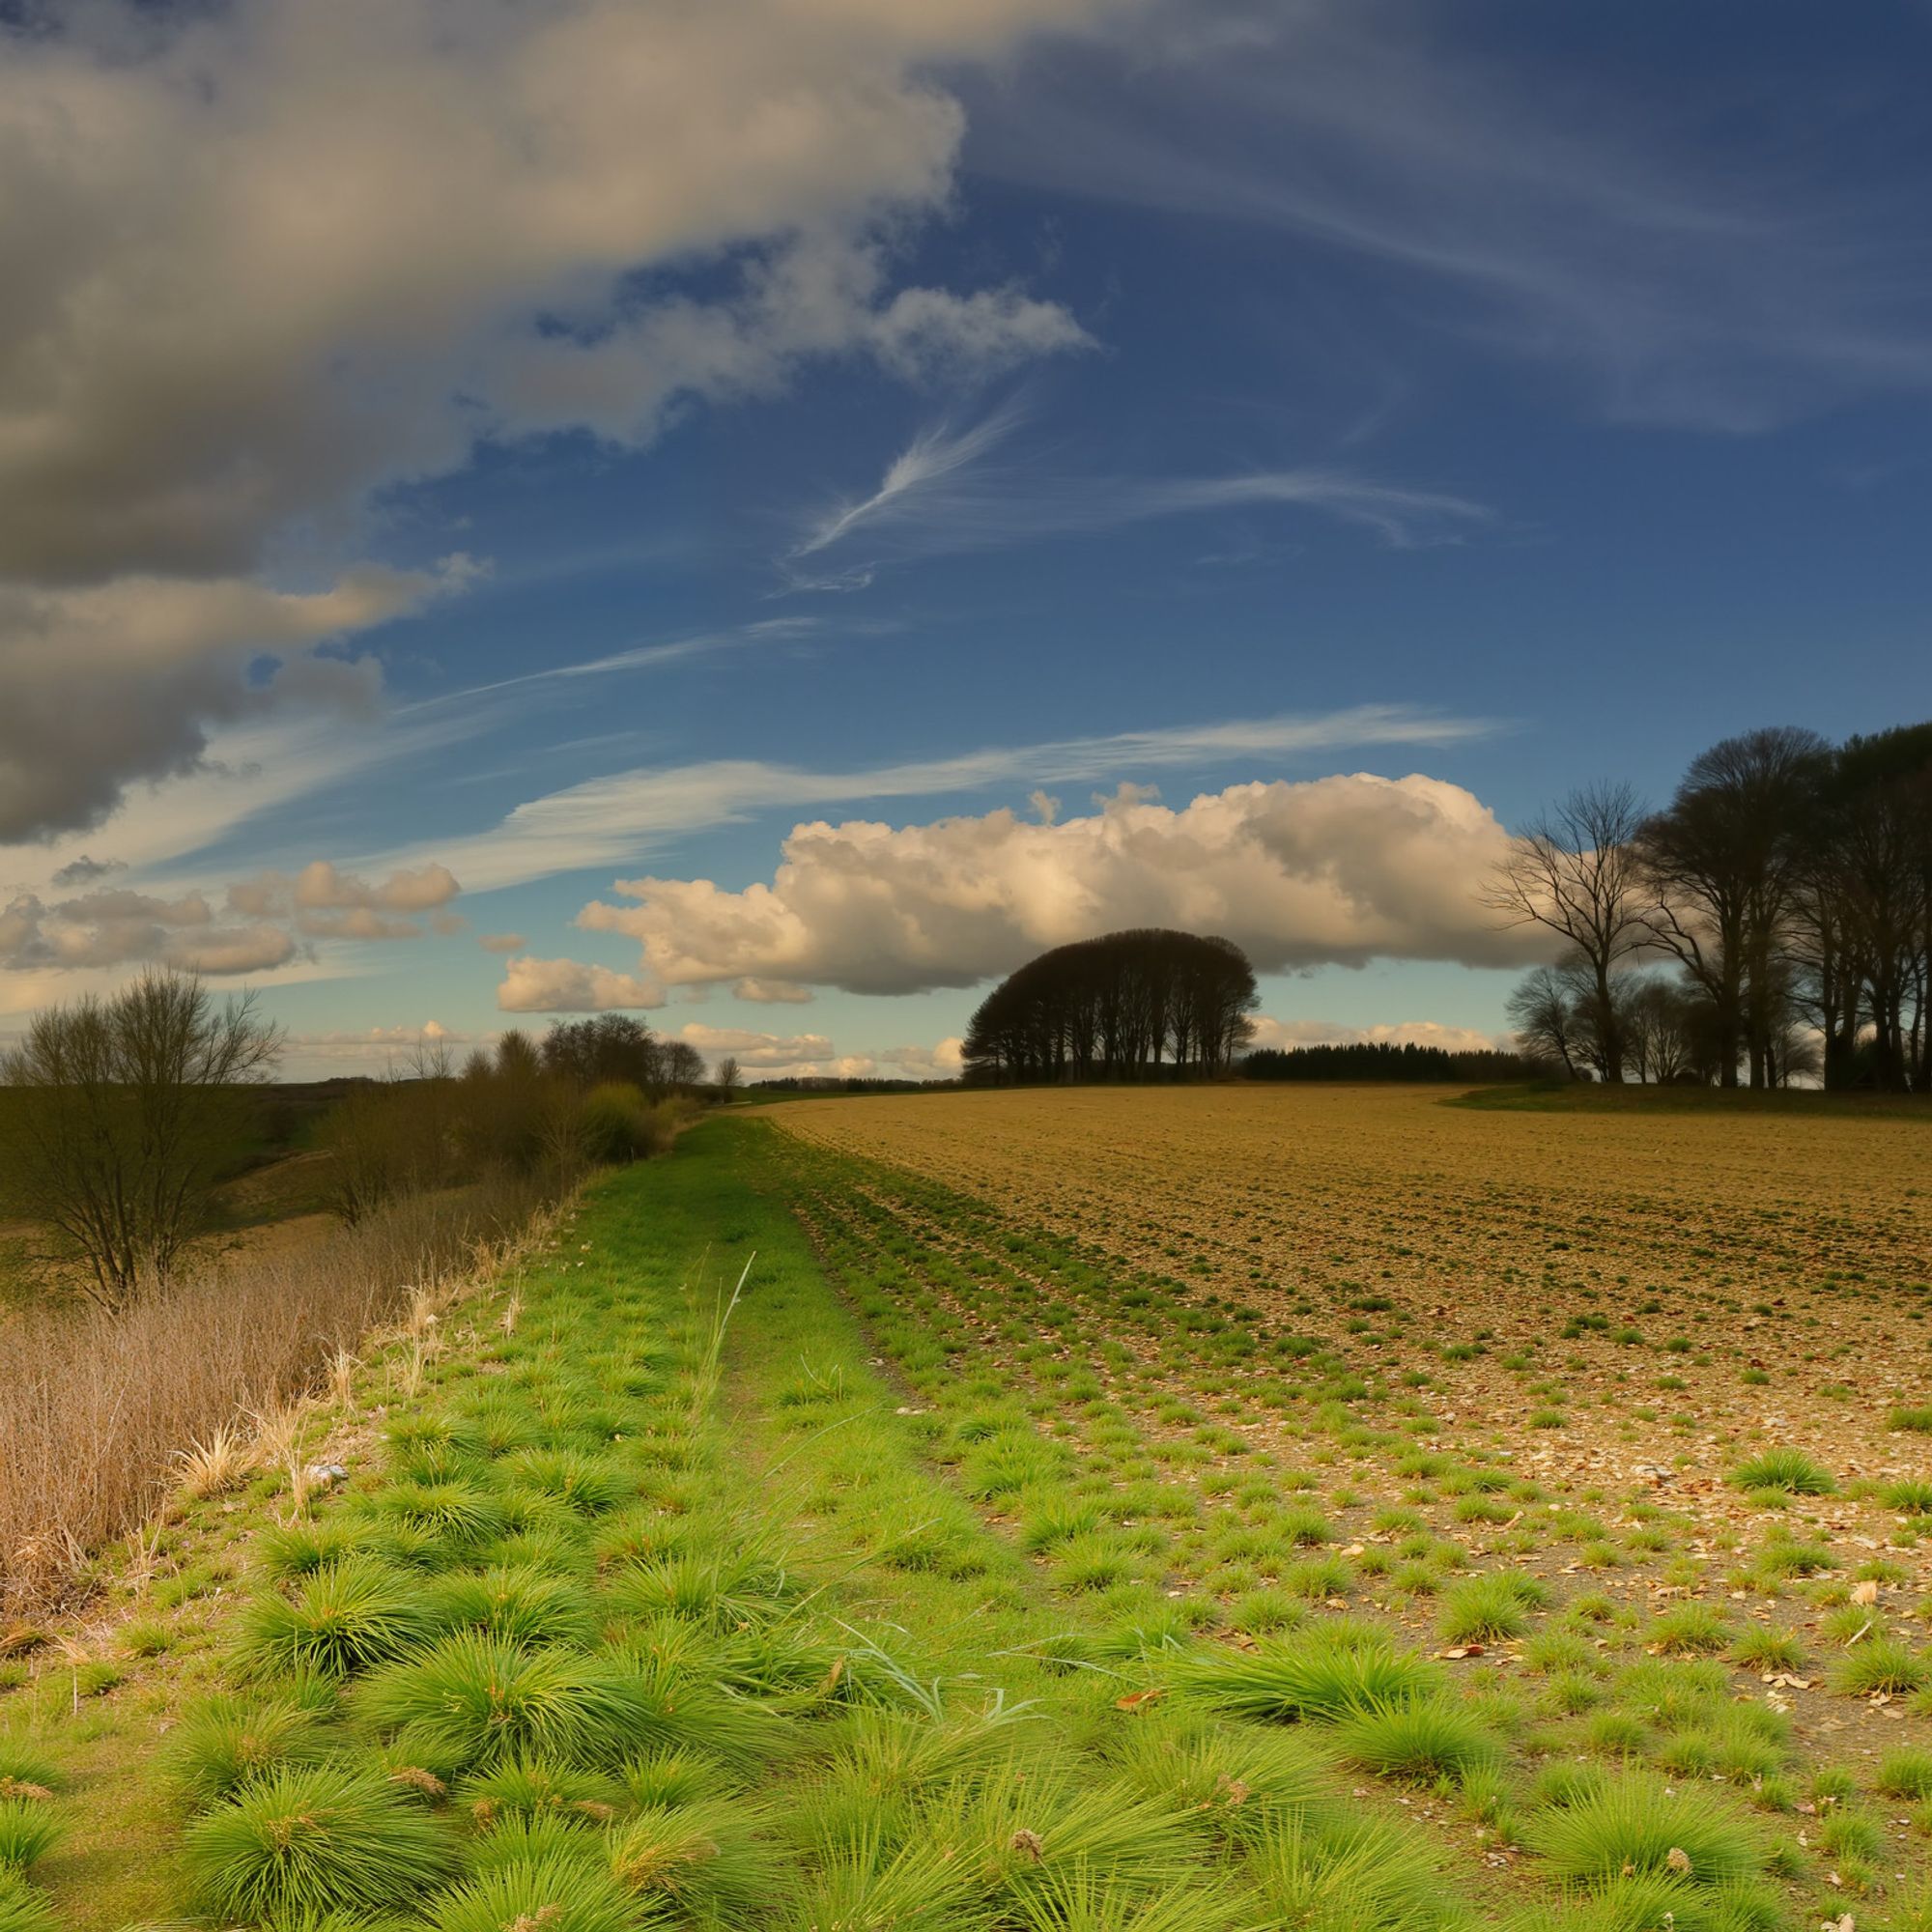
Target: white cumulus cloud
(569, 986)
(1338, 869)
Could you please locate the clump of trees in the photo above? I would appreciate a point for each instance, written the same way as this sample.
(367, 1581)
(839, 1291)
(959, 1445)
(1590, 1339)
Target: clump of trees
(1146, 1005)
(593, 1090)
(1773, 921)
(122, 1117)
(1383, 1060)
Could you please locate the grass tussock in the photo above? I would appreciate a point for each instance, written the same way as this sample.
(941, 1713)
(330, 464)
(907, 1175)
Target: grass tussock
(1328, 1671)
(1637, 1827)
(1783, 1471)
(307, 1840)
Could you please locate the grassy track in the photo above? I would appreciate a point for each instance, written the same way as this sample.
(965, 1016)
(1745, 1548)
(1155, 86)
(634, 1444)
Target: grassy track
(794, 1623)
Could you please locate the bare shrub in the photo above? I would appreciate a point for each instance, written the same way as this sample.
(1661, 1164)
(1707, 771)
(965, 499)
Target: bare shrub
(101, 1412)
(126, 1113)
(618, 1123)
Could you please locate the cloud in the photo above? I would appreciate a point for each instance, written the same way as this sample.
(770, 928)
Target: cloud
(320, 884)
(265, 258)
(104, 685)
(84, 871)
(1331, 871)
(267, 917)
(941, 1062)
(609, 820)
(328, 903)
(772, 993)
(568, 986)
(650, 657)
(1732, 282)
(117, 928)
(756, 1049)
(249, 774)
(774, 1056)
(1291, 1034)
(919, 473)
(501, 941)
(924, 334)
(944, 493)
(266, 262)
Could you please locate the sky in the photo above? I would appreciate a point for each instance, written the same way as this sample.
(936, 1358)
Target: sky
(766, 515)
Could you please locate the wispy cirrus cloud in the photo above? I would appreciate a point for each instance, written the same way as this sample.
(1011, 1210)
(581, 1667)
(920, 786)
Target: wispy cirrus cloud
(1696, 261)
(621, 817)
(960, 489)
(766, 632)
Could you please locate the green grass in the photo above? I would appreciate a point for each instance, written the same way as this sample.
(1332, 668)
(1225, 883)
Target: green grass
(1906, 1773)
(1628, 1827)
(1783, 1471)
(1326, 1671)
(302, 1841)
(29, 1831)
(558, 1892)
(1486, 1608)
(335, 1620)
(1689, 1629)
(22, 1909)
(1418, 1743)
(1881, 1665)
(224, 1741)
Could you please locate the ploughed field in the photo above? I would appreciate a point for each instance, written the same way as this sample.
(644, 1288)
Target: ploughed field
(1625, 1419)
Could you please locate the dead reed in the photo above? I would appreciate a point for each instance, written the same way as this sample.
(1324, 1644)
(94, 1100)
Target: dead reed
(103, 1416)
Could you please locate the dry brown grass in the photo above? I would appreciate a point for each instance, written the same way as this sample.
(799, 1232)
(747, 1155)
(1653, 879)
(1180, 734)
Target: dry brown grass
(103, 1416)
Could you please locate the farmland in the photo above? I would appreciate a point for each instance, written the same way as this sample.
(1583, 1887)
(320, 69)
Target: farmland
(1189, 1510)
(1500, 1380)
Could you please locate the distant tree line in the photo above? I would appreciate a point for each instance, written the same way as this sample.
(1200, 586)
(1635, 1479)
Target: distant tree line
(1146, 1005)
(1773, 921)
(588, 1091)
(845, 1083)
(1382, 1060)
(613, 1046)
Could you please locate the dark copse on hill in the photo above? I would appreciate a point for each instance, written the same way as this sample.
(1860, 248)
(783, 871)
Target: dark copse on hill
(1145, 1005)
(1383, 1059)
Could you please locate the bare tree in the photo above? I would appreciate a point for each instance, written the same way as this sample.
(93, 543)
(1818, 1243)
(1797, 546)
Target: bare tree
(1542, 1014)
(681, 1065)
(126, 1113)
(730, 1076)
(1722, 862)
(1575, 871)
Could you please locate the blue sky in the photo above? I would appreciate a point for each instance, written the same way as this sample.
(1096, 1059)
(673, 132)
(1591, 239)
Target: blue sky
(1051, 446)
